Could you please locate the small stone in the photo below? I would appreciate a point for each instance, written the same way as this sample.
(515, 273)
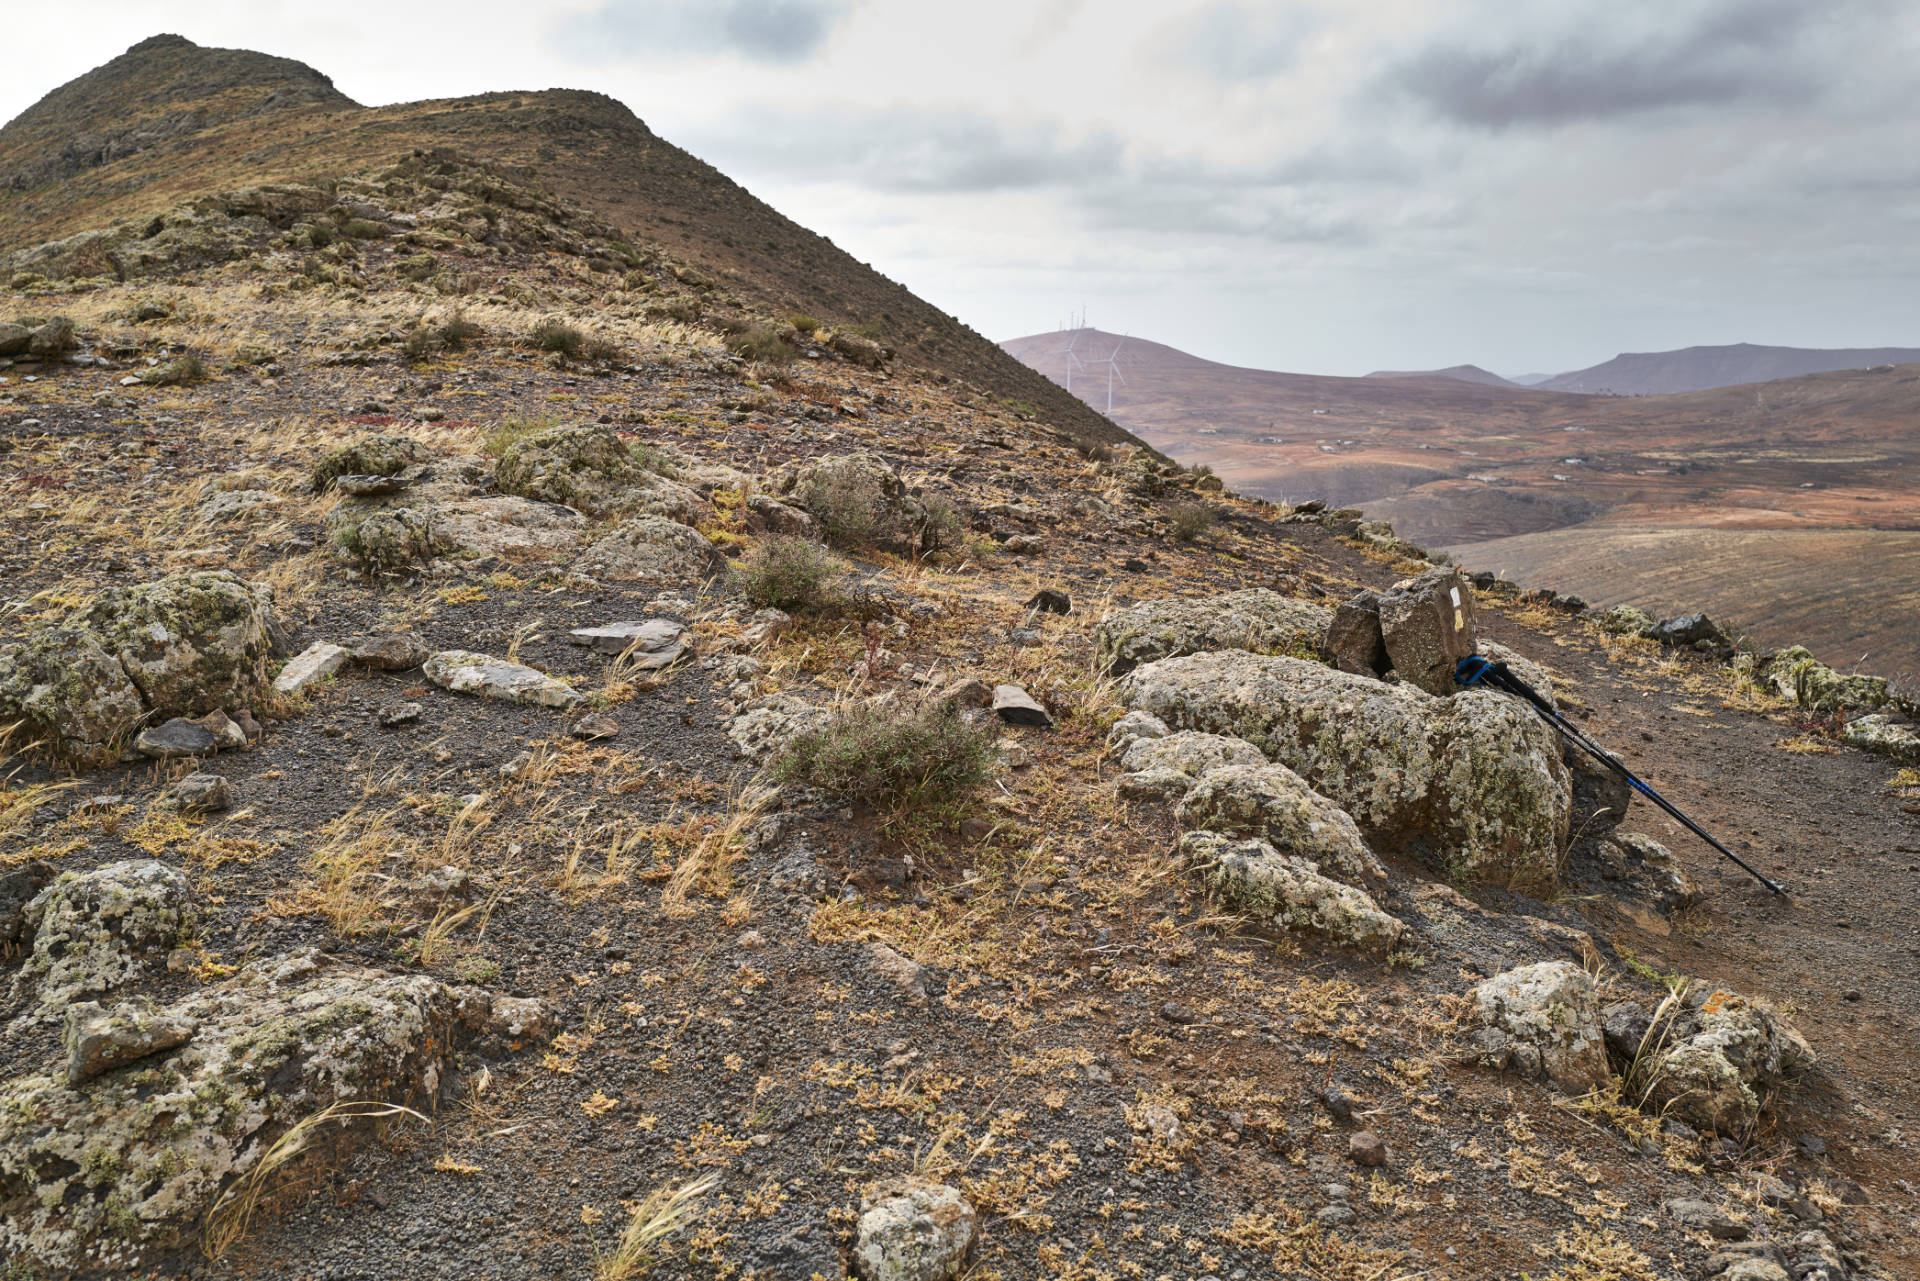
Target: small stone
(976, 828)
(1367, 1149)
(201, 794)
(1707, 1217)
(389, 652)
(594, 726)
(465, 672)
(394, 715)
(316, 662)
(1017, 707)
(1338, 1103)
(912, 1230)
(1049, 601)
(176, 738)
(1024, 545)
(1027, 637)
(1335, 1216)
(1174, 1012)
(902, 972)
(98, 1039)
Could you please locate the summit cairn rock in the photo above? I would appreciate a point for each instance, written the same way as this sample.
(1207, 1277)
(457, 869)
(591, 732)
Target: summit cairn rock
(1426, 625)
(1354, 639)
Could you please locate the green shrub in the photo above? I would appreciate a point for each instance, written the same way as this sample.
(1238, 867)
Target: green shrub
(363, 229)
(1094, 451)
(942, 526)
(802, 321)
(421, 343)
(602, 348)
(320, 235)
(893, 759)
(758, 342)
(794, 574)
(553, 335)
(1190, 520)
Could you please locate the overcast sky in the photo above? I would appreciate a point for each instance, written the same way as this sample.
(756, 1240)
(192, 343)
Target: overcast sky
(1322, 187)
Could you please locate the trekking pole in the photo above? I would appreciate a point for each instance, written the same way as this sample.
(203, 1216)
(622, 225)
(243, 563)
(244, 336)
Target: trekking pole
(1469, 672)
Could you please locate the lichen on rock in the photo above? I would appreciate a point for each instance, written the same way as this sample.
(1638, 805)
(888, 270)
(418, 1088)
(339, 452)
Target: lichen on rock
(1290, 892)
(1258, 620)
(1549, 1016)
(589, 468)
(93, 931)
(1473, 784)
(1273, 802)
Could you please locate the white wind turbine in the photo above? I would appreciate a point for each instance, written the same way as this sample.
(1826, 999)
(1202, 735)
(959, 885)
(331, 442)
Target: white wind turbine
(1113, 370)
(1072, 359)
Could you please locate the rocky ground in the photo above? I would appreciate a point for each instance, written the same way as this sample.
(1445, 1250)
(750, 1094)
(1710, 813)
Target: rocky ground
(363, 920)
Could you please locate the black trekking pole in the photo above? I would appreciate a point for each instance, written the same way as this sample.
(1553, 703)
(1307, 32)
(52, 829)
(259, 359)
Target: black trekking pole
(1473, 671)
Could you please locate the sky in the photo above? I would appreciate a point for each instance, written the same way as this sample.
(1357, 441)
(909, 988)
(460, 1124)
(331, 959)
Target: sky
(1318, 187)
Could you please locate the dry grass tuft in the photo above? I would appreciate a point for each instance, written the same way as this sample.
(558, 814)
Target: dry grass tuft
(662, 1212)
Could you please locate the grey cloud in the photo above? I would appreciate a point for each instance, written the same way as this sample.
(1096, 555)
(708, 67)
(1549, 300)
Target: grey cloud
(779, 31)
(1607, 62)
(911, 150)
(1238, 42)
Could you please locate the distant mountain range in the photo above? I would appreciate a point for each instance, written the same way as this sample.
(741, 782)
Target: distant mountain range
(1665, 373)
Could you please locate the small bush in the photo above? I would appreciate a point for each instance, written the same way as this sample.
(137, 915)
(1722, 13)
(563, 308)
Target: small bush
(793, 574)
(758, 342)
(1094, 451)
(1190, 520)
(184, 371)
(601, 348)
(420, 345)
(458, 332)
(917, 759)
(942, 526)
(553, 335)
(802, 321)
(320, 235)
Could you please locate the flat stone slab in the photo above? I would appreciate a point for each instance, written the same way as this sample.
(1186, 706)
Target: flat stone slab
(1017, 707)
(314, 663)
(652, 644)
(178, 737)
(389, 652)
(465, 672)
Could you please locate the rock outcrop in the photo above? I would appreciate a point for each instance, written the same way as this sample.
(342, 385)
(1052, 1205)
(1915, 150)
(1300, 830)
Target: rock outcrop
(1713, 1057)
(96, 930)
(1290, 893)
(183, 645)
(1273, 802)
(652, 550)
(1544, 1020)
(1473, 784)
(857, 500)
(589, 468)
(1258, 620)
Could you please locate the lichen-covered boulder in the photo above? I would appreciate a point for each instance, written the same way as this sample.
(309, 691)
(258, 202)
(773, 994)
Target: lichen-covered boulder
(652, 550)
(1549, 1016)
(1191, 752)
(1272, 801)
(1473, 784)
(103, 1173)
(378, 455)
(1884, 734)
(1257, 620)
(856, 500)
(183, 645)
(1796, 674)
(93, 931)
(465, 672)
(1290, 892)
(516, 528)
(1715, 1056)
(1353, 637)
(912, 1229)
(768, 724)
(385, 537)
(588, 467)
(1626, 620)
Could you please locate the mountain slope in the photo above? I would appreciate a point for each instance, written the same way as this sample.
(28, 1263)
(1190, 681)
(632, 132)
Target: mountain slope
(1660, 373)
(260, 119)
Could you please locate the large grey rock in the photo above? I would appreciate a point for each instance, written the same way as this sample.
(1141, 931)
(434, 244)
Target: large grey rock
(1017, 707)
(14, 338)
(95, 930)
(178, 646)
(378, 455)
(1191, 752)
(465, 672)
(589, 468)
(1427, 626)
(1550, 1014)
(857, 500)
(1257, 619)
(1796, 674)
(912, 1229)
(652, 550)
(109, 1172)
(54, 338)
(1353, 637)
(176, 739)
(1474, 784)
(1272, 801)
(1715, 1055)
(765, 726)
(1135, 726)
(1290, 892)
(509, 526)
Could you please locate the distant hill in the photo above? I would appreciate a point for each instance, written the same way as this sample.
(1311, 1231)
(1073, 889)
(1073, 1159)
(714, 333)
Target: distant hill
(1464, 373)
(1530, 380)
(1662, 373)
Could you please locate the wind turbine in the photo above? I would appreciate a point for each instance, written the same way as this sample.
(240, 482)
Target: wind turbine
(1072, 359)
(1113, 370)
